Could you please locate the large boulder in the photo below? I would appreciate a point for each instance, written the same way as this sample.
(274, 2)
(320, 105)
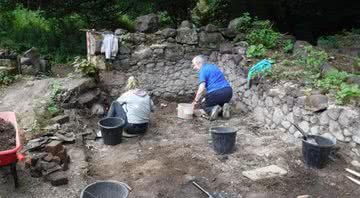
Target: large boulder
(147, 23)
(210, 40)
(316, 103)
(186, 24)
(299, 49)
(187, 36)
(168, 32)
(31, 63)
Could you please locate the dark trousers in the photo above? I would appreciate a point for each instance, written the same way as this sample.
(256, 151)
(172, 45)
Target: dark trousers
(218, 97)
(116, 110)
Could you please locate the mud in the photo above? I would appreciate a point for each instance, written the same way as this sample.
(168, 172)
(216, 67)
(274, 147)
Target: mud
(7, 135)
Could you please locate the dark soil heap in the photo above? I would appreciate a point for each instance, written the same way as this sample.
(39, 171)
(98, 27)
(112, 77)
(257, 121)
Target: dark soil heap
(7, 135)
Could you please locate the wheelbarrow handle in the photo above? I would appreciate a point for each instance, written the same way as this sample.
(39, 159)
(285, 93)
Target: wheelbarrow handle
(200, 188)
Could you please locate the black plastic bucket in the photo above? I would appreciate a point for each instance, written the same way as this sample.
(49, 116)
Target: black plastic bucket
(223, 139)
(111, 130)
(316, 151)
(105, 189)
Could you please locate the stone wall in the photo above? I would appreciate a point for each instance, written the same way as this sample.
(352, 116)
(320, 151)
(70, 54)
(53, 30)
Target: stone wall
(279, 105)
(162, 61)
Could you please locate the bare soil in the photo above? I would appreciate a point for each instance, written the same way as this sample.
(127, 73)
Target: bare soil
(7, 135)
(174, 152)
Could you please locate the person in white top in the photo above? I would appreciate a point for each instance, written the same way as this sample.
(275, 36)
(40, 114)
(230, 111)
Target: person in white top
(134, 107)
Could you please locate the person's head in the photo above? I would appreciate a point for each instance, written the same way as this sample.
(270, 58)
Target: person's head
(132, 83)
(198, 61)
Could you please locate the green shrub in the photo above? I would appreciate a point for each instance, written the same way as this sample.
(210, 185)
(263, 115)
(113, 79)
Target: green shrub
(7, 79)
(266, 37)
(165, 19)
(333, 79)
(243, 23)
(334, 82)
(255, 51)
(288, 46)
(328, 41)
(347, 92)
(210, 11)
(83, 66)
(312, 59)
(127, 23)
(59, 39)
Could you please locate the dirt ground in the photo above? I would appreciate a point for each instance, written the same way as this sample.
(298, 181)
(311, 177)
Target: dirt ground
(175, 152)
(7, 135)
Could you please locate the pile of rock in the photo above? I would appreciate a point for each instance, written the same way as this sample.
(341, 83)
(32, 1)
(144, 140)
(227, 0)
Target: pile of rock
(50, 164)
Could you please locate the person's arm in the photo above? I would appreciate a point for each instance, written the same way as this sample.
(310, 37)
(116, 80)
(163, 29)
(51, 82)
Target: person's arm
(200, 92)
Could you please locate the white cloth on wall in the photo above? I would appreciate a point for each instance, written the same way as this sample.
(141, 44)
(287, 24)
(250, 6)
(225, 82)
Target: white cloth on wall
(109, 46)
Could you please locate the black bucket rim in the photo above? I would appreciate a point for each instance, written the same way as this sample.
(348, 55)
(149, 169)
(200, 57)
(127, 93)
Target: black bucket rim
(321, 146)
(106, 181)
(212, 130)
(112, 127)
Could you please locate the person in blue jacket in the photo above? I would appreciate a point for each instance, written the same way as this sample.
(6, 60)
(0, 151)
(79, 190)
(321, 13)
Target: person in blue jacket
(214, 86)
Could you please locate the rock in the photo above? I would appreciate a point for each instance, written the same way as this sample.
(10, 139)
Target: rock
(147, 23)
(97, 109)
(314, 120)
(60, 119)
(120, 31)
(290, 117)
(354, 79)
(278, 116)
(174, 52)
(299, 49)
(87, 97)
(355, 163)
(258, 114)
(210, 28)
(347, 133)
(286, 124)
(68, 137)
(356, 139)
(265, 172)
(335, 129)
(316, 103)
(268, 102)
(326, 68)
(348, 117)
(168, 32)
(54, 147)
(241, 107)
(48, 157)
(186, 24)
(324, 119)
(304, 126)
(57, 178)
(232, 27)
(276, 93)
(142, 53)
(210, 40)
(226, 48)
(315, 130)
(187, 36)
(333, 113)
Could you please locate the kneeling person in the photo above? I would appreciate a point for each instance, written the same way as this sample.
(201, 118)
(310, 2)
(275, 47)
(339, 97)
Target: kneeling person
(214, 86)
(133, 106)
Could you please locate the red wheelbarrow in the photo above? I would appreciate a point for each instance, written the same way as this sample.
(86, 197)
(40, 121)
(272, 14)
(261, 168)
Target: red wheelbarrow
(11, 156)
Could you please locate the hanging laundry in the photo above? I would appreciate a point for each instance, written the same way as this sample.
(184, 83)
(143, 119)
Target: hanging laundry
(109, 46)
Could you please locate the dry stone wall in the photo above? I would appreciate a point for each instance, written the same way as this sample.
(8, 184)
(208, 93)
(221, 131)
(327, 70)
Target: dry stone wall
(279, 105)
(162, 60)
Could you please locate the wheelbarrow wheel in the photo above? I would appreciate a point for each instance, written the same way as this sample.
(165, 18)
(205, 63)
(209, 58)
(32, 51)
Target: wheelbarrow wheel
(14, 174)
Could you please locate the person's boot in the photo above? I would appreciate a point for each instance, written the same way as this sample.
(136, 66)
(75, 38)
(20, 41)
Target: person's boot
(215, 112)
(226, 111)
